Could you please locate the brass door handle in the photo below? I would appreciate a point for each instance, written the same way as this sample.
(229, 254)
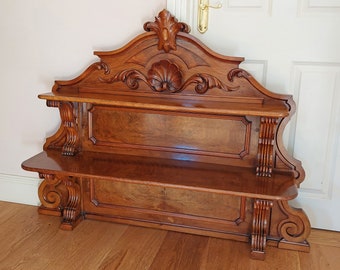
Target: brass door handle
(203, 12)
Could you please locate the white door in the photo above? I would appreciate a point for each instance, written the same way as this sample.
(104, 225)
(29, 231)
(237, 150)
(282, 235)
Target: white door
(290, 46)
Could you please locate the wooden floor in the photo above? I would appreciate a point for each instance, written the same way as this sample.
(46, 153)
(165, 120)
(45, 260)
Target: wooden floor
(31, 241)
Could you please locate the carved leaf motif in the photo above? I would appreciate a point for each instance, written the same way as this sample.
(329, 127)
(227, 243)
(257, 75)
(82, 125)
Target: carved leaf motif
(237, 72)
(166, 76)
(166, 26)
(204, 82)
(103, 66)
(129, 77)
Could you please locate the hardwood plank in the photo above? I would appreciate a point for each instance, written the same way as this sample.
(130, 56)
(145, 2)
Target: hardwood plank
(21, 234)
(324, 237)
(136, 249)
(320, 257)
(180, 251)
(84, 248)
(227, 255)
(39, 243)
(18, 224)
(33, 241)
(222, 254)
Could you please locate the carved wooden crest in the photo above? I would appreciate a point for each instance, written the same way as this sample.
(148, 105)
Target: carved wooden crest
(166, 26)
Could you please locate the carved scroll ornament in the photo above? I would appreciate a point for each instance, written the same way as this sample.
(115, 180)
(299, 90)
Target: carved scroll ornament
(239, 73)
(52, 194)
(296, 228)
(166, 76)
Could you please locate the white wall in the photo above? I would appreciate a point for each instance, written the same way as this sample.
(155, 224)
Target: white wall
(42, 41)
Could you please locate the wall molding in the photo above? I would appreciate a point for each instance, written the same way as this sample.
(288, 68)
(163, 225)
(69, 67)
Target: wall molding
(322, 3)
(314, 83)
(182, 10)
(251, 6)
(23, 189)
(319, 7)
(257, 68)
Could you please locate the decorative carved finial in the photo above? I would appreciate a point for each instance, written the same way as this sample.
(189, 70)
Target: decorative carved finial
(166, 26)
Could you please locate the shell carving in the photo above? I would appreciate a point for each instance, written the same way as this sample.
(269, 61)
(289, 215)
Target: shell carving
(165, 75)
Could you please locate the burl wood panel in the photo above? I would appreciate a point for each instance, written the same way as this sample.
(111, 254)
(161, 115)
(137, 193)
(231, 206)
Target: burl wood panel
(107, 193)
(178, 133)
(217, 214)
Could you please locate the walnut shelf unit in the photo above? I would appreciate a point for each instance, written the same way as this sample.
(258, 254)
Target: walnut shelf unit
(166, 133)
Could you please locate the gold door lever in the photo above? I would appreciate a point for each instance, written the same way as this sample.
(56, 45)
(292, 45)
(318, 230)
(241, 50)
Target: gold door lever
(203, 12)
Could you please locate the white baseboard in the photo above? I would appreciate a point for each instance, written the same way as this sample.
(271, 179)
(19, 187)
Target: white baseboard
(19, 189)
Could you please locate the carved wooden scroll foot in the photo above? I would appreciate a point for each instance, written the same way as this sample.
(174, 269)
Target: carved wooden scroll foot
(261, 218)
(72, 212)
(295, 229)
(52, 194)
(60, 196)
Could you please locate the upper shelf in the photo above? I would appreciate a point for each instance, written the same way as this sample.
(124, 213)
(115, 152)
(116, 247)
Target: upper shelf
(174, 103)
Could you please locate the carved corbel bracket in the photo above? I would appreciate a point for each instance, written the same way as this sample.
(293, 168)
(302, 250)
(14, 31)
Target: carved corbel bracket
(261, 218)
(265, 152)
(67, 137)
(72, 212)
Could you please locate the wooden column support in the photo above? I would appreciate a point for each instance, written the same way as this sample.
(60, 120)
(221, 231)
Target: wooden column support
(72, 211)
(261, 218)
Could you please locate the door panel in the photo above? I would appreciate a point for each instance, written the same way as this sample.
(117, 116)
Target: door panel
(290, 47)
